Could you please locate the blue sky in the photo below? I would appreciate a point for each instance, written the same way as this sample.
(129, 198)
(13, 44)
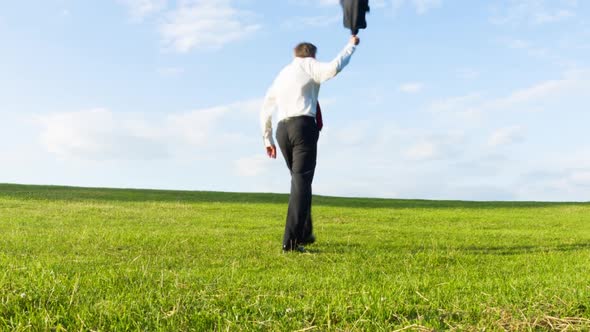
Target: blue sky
(444, 99)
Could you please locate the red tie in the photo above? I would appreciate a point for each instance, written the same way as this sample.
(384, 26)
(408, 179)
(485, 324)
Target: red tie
(318, 117)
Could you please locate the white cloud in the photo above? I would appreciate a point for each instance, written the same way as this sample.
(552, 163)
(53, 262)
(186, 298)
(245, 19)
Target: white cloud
(195, 24)
(422, 151)
(101, 134)
(205, 24)
(534, 12)
(140, 9)
(540, 90)
(98, 134)
(559, 176)
(581, 178)
(421, 6)
(468, 73)
(434, 146)
(329, 2)
(170, 71)
(530, 49)
(560, 15)
(388, 161)
(574, 85)
(214, 127)
(350, 134)
(253, 165)
(196, 127)
(378, 4)
(311, 21)
(251, 107)
(411, 87)
(506, 136)
(457, 105)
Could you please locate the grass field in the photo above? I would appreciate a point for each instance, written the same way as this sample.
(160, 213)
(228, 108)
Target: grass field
(116, 260)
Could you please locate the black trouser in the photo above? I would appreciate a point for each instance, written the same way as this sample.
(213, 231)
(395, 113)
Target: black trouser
(298, 138)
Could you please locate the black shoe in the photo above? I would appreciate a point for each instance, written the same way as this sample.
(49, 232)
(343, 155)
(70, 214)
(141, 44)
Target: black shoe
(296, 248)
(309, 240)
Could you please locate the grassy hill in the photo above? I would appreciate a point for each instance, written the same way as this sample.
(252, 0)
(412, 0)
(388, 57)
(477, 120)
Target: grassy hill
(114, 259)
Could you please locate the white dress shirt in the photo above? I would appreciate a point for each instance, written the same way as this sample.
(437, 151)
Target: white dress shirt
(295, 90)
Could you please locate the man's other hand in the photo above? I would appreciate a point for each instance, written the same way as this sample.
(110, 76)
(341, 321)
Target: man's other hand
(271, 151)
(354, 40)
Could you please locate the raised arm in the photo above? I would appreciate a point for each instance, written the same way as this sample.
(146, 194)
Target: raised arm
(323, 71)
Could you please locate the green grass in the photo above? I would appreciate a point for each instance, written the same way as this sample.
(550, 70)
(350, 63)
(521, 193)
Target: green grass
(116, 260)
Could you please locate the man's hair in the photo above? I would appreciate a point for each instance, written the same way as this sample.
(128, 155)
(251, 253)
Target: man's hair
(305, 50)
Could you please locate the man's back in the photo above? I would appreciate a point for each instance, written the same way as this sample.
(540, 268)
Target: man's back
(295, 90)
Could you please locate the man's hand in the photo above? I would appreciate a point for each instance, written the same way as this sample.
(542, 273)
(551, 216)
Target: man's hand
(354, 40)
(271, 151)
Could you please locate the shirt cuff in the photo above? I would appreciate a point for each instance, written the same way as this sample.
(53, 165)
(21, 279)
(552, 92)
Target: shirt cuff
(268, 141)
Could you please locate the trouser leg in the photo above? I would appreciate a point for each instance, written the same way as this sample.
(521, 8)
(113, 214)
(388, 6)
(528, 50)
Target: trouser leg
(298, 142)
(299, 210)
(308, 227)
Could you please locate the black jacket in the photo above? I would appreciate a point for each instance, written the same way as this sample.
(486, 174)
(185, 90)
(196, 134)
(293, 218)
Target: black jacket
(354, 14)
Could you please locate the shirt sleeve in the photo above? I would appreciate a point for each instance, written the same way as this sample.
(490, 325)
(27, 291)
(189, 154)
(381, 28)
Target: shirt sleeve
(323, 71)
(268, 106)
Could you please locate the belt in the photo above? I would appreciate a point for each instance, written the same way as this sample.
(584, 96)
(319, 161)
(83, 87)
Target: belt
(297, 117)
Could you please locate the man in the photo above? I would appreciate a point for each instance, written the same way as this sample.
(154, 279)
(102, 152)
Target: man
(294, 93)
